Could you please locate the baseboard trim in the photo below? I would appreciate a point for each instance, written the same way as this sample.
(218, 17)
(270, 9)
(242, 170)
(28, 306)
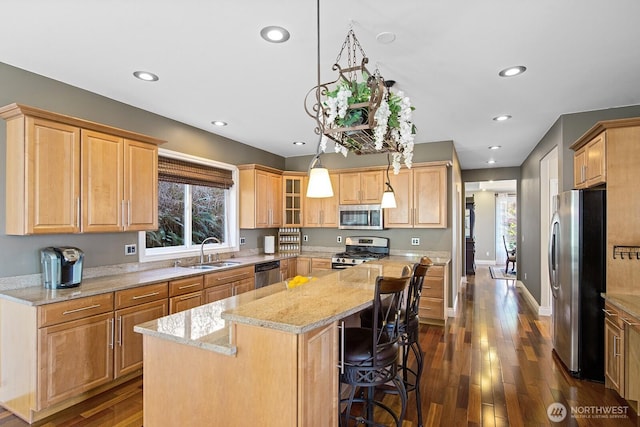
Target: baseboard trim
(542, 311)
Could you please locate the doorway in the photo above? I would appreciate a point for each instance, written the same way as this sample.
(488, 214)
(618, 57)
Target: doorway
(494, 207)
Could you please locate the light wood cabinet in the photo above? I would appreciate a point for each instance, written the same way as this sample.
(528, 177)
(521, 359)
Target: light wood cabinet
(361, 187)
(614, 351)
(186, 293)
(135, 306)
(320, 264)
(303, 266)
(322, 212)
(433, 299)
(224, 284)
(67, 175)
(288, 268)
(293, 209)
(75, 348)
(421, 198)
(260, 197)
(590, 163)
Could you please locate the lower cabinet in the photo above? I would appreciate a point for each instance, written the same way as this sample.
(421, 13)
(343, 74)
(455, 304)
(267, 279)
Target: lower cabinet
(614, 354)
(622, 353)
(224, 284)
(185, 294)
(288, 268)
(433, 299)
(306, 266)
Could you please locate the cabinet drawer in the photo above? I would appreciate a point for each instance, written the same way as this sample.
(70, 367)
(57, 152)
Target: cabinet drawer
(431, 308)
(59, 312)
(228, 276)
(185, 286)
(436, 270)
(185, 302)
(320, 264)
(141, 295)
(433, 287)
(613, 315)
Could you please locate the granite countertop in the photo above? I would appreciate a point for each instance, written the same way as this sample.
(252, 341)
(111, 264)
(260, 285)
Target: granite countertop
(38, 295)
(628, 303)
(332, 296)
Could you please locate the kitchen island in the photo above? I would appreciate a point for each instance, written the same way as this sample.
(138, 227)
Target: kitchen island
(267, 357)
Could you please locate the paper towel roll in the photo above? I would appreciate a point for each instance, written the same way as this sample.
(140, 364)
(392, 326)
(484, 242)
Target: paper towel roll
(269, 244)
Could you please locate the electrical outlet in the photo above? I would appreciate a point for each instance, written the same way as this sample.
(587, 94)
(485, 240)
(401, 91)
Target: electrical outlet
(243, 240)
(339, 239)
(415, 241)
(130, 249)
(305, 238)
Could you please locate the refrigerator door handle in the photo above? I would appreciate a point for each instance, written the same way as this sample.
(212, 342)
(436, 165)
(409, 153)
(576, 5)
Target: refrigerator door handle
(553, 255)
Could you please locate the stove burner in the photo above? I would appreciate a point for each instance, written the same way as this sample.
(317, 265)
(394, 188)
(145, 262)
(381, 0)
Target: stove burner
(359, 250)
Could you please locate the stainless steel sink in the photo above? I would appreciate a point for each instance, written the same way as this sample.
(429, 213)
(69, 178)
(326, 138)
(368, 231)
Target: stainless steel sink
(214, 265)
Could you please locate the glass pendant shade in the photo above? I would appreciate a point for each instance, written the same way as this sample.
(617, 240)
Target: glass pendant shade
(388, 200)
(319, 183)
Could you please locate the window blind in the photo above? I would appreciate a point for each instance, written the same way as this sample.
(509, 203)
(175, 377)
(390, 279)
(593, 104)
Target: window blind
(183, 172)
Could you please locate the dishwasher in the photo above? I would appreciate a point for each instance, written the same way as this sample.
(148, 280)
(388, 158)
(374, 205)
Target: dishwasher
(267, 273)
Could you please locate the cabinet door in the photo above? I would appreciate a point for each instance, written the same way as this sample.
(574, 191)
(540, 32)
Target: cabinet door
(128, 349)
(430, 197)
(614, 362)
(303, 266)
(74, 357)
(320, 264)
(371, 187)
(401, 215)
(216, 293)
(242, 286)
(292, 192)
(52, 195)
(275, 200)
(350, 188)
(322, 212)
(596, 161)
(263, 196)
(102, 189)
(140, 186)
(185, 302)
(580, 168)
(318, 382)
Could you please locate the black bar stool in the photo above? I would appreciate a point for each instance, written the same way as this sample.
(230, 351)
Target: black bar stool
(370, 355)
(409, 329)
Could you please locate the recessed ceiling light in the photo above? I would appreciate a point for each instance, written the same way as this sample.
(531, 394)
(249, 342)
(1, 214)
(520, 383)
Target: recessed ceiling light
(274, 34)
(386, 37)
(491, 162)
(495, 147)
(219, 123)
(299, 142)
(502, 118)
(146, 76)
(512, 71)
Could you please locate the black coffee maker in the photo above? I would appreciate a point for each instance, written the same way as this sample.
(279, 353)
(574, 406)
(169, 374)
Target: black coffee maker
(61, 267)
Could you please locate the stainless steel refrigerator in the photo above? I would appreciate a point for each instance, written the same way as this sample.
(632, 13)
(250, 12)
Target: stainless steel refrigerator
(577, 249)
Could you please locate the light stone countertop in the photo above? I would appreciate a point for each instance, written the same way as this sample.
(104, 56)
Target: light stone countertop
(628, 303)
(328, 297)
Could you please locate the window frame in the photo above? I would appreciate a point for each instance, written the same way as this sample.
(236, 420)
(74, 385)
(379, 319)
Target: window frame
(232, 200)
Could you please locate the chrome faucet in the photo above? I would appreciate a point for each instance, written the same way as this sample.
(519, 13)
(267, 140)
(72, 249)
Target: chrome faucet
(202, 247)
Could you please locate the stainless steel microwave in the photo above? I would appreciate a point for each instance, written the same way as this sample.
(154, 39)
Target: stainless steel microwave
(360, 217)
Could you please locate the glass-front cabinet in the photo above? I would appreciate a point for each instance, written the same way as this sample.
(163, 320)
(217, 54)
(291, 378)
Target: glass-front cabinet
(292, 200)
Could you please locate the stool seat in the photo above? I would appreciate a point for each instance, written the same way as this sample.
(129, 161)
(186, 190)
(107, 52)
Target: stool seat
(359, 348)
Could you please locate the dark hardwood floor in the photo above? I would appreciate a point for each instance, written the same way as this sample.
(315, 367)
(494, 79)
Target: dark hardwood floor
(492, 365)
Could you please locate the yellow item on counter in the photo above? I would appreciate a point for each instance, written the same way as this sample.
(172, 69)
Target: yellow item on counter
(297, 281)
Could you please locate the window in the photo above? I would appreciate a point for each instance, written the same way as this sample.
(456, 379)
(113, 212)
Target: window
(197, 199)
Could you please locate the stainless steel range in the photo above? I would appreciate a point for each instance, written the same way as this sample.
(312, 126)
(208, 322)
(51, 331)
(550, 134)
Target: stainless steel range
(360, 249)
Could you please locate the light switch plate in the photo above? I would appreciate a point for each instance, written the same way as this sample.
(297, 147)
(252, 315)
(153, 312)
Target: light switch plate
(415, 241)
(243, 240)
(130, 249)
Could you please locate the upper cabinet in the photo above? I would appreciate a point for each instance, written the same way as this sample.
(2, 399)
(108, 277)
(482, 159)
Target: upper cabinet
(260, 197)
(361, 187)
(322, 212)
(67, 175)
(292, 199)
(590, 163)
(421, 198)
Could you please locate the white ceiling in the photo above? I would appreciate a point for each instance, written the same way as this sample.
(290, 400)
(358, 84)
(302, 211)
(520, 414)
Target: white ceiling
(581, 55)
(503, 186)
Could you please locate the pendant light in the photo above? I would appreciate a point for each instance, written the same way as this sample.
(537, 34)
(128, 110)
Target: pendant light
(319, 180)
(388, 197)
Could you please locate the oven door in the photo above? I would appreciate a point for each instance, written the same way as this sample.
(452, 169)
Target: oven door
(340, 266)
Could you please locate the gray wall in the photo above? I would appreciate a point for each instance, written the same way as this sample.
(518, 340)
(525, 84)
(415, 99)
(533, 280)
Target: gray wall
(564, 132)
(20, 253)
(484, 229)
